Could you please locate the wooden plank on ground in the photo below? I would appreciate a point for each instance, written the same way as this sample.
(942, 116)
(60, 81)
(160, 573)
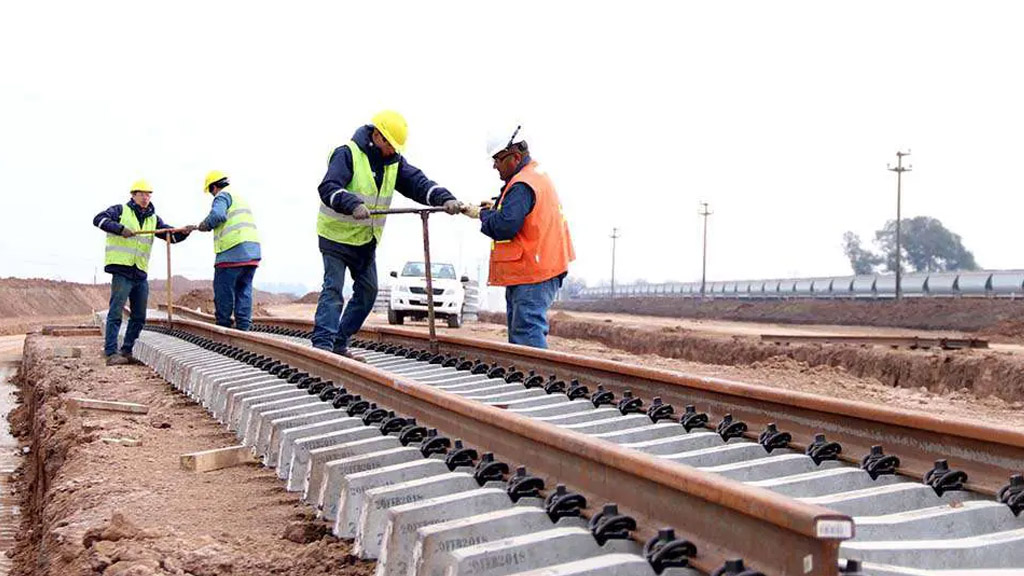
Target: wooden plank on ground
(76, 405)
(216, 459)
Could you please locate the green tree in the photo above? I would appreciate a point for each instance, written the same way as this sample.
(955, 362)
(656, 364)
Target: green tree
(862, 260)
(925, 246)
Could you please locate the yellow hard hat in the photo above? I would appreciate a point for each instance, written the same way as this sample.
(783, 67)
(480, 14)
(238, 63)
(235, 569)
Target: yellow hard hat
(211, 177)
(392, 125)
(141, 185)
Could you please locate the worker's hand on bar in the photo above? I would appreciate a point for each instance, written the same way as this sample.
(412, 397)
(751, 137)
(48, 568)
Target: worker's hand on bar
(361, 212)
(127, 232)
(453, 207)
(487, 205)
(191, 228)
(471, 211)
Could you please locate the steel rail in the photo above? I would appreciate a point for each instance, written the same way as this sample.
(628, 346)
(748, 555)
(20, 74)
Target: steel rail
(988, 454)
(894, 341)
(723, 518)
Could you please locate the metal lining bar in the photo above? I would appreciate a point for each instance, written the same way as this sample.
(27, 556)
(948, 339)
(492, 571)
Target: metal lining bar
(895, 341)
(724, 518)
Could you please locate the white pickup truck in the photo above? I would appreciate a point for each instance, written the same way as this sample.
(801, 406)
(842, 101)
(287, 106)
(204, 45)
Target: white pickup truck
(409, 293)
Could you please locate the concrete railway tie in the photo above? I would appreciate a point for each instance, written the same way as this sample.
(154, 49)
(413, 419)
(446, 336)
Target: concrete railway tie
(422, 504)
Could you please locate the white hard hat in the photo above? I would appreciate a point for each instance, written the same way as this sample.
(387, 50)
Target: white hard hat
(501, 138)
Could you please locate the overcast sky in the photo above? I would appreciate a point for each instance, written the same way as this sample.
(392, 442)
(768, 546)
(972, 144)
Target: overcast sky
(781, 115)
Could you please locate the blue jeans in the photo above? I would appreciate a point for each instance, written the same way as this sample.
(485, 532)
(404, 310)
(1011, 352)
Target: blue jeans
(332, 329)
(232, 292)
(136, 293)
(526, 311)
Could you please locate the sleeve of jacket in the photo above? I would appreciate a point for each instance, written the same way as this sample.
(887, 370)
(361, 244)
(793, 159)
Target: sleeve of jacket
(504, 224)
(332, 188)
(175, 237)
(109, 220)
(218, 211)
(413, 183)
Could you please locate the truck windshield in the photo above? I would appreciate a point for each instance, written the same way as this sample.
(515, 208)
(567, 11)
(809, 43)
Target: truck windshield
(418, 269)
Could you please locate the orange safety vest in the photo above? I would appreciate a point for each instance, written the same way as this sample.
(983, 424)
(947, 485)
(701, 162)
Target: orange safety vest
(543, 248)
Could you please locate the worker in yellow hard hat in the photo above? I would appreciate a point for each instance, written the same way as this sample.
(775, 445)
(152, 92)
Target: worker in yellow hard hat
(127, 262)
(361, 177)
(236, 246)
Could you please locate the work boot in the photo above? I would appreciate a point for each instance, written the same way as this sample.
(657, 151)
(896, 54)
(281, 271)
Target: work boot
(117, 360)
(349, 355)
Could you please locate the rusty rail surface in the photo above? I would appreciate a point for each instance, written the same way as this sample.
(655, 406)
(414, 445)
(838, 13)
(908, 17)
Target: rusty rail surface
(892, 341)
(723, 518)
(987, 453)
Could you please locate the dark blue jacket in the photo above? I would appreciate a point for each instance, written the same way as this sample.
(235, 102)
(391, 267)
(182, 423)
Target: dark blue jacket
(110, 222)
(515, 206)
(411, 183)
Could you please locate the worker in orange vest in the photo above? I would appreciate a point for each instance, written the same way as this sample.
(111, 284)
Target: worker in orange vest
(531, 248)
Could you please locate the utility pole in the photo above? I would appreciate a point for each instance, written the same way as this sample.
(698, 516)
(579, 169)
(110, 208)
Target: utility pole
(615, 236)
(704, 260)
(899, 170)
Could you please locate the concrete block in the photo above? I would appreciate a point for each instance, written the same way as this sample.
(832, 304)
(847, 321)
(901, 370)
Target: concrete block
(822, 482)
(605, 565)
(272, 450)
(260, 428)
(649, 431)
(373, 517)
(939, 522)
(343, 495)
(299, 468)
(404, 520)
(720, 454)
(351, 458)
(527, 552)
(999, 550)
(256, 410)
(218, 399)
(775, 465)
(237, 409)
(563, 409)
(431, 554)
(893, 498)
(289, 437)
(582, 416)
(507, 393)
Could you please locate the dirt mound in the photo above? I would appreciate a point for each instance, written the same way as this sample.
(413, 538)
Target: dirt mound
(91, 507)
(202, 300)
(984, 373)
(21, 297)
(992, 317)
(309, 298)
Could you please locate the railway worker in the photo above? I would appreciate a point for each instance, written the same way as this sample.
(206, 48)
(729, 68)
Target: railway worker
(530, 243)
(127, 260)
(236, 244)
(361, 176)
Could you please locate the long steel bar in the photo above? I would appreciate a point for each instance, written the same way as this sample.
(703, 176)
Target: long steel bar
(724, 518)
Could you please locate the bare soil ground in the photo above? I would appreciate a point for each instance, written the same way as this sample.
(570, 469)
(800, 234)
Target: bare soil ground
(986, 317)
(769, 365)
(91, 508)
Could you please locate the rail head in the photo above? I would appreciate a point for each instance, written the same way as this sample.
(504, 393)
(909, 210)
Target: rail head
(723, 517)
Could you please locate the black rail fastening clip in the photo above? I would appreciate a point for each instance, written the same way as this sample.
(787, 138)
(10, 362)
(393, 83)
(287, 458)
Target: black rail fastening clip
(602, 397)
(577, 390)
(658, 410)
(878, 463)
(729, 428)
(534, 380)
(821, 449)
(608, 524)
(771, 439)
(564, 504)
(1013, 494)
(666, 551)
(460, 456)
(630, 404)
(434, 444)
(691, 419)
(489, 470)
(522, 485)
(735, 567)
(942, 479)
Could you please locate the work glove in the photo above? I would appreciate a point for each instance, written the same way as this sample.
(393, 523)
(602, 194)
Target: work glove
(452, 207)
(361, 212)
(203, 226)
(487, 205)
(127, 232)
(471, 211)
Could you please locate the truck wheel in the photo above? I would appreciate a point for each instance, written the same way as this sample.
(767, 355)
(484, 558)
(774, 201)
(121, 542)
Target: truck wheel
(454, 321)
(395, 317)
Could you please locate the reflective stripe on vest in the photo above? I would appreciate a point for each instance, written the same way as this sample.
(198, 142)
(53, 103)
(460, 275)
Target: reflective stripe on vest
(239, 227)
(345, 229)
(132, 251)
(542, 249)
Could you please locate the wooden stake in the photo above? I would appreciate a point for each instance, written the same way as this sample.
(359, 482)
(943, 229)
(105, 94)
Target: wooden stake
(216, 459)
